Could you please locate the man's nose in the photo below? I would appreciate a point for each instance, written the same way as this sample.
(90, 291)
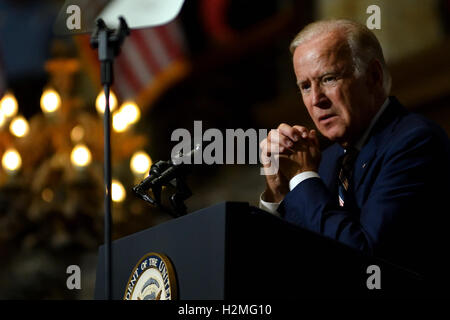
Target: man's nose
(319, 99)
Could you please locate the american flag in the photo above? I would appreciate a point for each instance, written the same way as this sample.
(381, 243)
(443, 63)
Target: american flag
(150, 60)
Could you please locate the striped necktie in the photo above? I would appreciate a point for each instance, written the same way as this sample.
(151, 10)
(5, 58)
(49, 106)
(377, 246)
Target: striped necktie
(345, 173)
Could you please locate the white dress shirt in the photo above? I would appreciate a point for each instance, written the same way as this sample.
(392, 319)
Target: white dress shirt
(273, 206)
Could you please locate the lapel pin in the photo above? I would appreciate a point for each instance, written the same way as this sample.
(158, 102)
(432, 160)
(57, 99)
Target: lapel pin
(364, 165)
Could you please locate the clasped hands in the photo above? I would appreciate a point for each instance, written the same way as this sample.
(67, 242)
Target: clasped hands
(297, 150)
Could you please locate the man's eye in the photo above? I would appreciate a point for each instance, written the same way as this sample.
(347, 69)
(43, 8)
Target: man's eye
(304, 87)
(329, 79)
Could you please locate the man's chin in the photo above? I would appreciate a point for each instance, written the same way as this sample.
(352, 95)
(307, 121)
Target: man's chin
(333, 135)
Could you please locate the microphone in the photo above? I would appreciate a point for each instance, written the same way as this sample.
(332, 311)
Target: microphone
(163, 172)
(158, 170)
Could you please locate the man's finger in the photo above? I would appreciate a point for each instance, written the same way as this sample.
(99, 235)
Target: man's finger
(288, 131)
(275, 137)
(314, 138)
(302, 131)
(269, 149)
(265, 157)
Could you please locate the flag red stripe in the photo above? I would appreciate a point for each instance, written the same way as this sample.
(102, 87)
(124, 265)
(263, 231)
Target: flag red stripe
(143, 45)
(138, 64)
(172, 49)
(124, 65)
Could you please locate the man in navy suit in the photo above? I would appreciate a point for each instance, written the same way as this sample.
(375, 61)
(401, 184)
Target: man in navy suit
(383, 187)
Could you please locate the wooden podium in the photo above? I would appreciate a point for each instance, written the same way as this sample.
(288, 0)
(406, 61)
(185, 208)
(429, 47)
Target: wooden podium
(234, 251)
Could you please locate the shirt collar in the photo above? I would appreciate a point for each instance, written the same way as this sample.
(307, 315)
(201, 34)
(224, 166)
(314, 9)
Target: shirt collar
(359, 144)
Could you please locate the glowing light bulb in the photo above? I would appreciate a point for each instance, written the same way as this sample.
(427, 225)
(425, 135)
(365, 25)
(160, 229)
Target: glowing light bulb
(8, 105)
(77, 133)
(80, 156)
(19, 127)
(119, 121)
(127, 115)
(130, 112)
(100, 102)
(50, 101)
(118, 193)
(140, 163)
(11, 160)
(2, 118)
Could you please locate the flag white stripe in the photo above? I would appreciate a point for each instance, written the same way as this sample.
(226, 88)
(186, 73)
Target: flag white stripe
(176, 35)
(156, 45)
(137, 63)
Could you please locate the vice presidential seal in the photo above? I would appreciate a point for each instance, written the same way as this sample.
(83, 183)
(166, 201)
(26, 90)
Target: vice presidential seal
(153, 278)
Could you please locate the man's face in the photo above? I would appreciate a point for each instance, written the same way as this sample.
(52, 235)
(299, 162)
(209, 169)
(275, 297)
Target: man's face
(339, 102)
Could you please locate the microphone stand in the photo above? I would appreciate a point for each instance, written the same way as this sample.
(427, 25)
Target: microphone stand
(108, 43)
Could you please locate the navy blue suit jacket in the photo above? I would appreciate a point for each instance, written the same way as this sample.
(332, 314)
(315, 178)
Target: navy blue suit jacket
(399, 207)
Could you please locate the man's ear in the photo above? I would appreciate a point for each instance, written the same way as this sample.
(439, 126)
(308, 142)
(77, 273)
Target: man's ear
(375, 74)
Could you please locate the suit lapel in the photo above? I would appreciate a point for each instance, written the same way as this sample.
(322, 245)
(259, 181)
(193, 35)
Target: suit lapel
(363, 162)
(379, 135)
